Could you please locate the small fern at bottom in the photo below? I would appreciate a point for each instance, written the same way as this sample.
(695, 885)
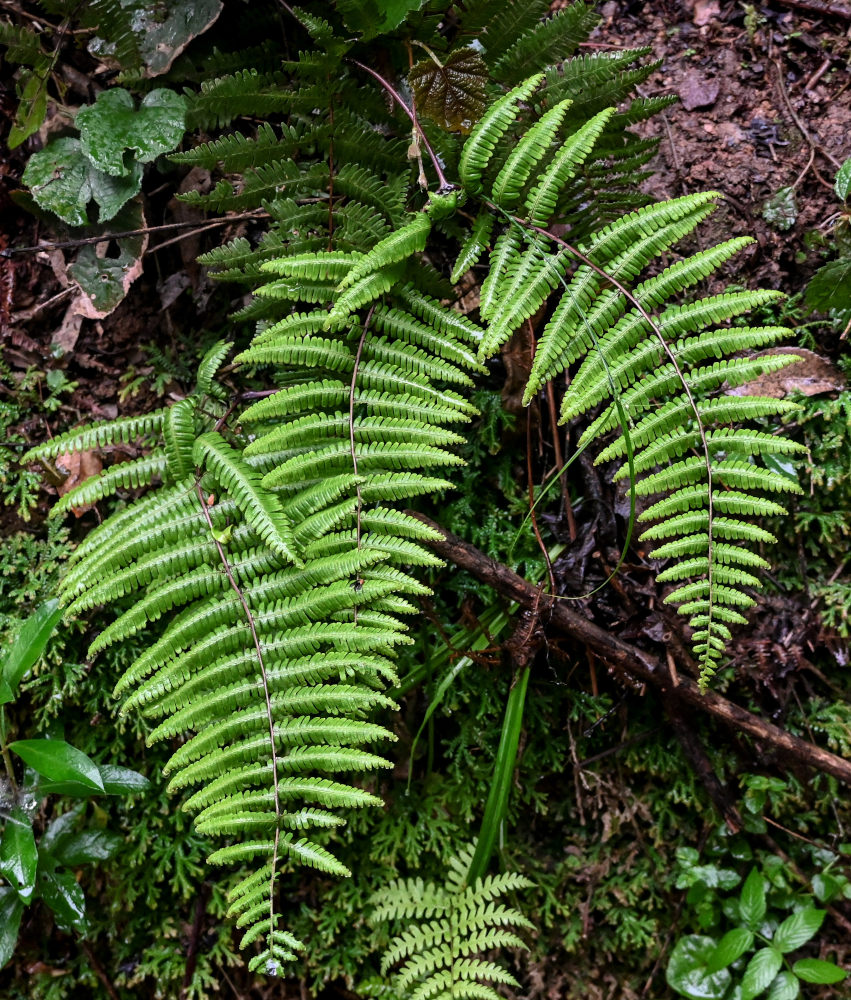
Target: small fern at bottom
(441, 956)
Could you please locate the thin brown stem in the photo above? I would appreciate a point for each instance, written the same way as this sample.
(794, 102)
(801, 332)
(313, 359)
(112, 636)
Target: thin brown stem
(531, 485)
(565, 492)
(443, 183)
(256, 213)
(265, 680)
(637, 664)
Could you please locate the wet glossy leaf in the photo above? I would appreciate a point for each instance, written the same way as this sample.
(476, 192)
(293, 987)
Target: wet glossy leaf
(687, 974)
(843, 181)
(830, 287)
(29, 644)
(11, 910)
(64, 181)
(798, 928)
(59, 761)
(116, 781)
(376, 17)
(761, 970)
(452, 93)
(752, 899)
(814, 970)
(58, 828)
(122, 781)
(19, 855)
(732, 946)
(114, 133)
(65, 897)
(784, 987)
(781, 209)
(85, 847)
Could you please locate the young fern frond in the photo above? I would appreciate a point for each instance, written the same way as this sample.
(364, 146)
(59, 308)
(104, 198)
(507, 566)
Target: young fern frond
(443, 927)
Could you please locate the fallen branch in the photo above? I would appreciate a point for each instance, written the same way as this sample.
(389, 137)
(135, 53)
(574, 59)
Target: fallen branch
(636, 663)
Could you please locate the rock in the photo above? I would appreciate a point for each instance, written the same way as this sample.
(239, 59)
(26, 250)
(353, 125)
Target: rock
(697, 92)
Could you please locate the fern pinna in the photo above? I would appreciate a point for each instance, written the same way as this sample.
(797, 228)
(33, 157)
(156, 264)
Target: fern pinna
(273, 564)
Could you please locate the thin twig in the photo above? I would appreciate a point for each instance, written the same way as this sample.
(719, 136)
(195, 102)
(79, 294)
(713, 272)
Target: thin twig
(531, 485)
(257, 213)
(99, 970)
(565, 492)
(251, 624)
(814, 146)
(443, 183)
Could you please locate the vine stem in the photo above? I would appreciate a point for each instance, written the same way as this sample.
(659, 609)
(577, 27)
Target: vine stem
(443, 183)
(654, 326)
(251, 624)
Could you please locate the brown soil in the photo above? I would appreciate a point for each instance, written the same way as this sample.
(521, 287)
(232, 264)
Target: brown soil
(765, 103)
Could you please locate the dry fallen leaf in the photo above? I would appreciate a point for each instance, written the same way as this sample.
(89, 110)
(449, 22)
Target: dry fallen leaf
(705, 11)
(78, 466)
(812, 375)
(696, 91)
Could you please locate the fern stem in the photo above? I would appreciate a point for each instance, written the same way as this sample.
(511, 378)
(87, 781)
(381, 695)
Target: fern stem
(654, 326)
(443, 183)
(251, 624)
(359, 510)
(531, 483)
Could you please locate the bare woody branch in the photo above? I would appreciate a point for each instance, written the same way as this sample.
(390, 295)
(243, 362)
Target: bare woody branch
(635, 663)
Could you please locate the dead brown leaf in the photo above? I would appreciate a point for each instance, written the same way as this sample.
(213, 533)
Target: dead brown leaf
(705, 11)
(812, 376)
(696, 91)
(78, 466)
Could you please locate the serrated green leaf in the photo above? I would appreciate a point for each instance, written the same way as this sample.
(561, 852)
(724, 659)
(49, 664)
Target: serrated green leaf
(798, 928)
(785, 987)
(752, 900)
(452, 91)
(687, 970)
(830, 287)
(761, 970)
(732, 946)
